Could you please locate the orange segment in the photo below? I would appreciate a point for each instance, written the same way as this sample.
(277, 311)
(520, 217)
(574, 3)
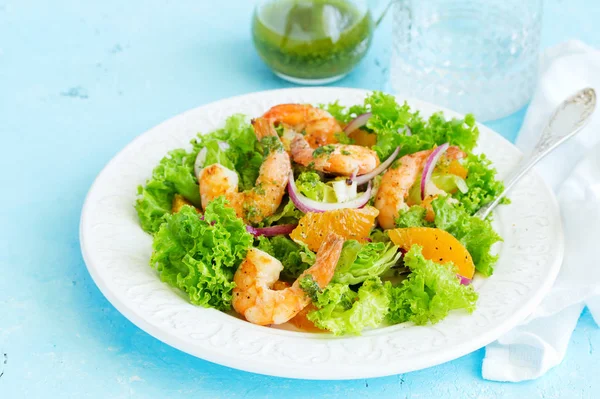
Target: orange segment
(364, 138)
(429, 215)
(438, 245)
(350, 224)
(456, 168)
(301, 320)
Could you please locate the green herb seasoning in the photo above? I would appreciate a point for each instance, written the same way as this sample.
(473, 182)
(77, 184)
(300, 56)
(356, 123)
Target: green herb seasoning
(323, 150)
(311, 39)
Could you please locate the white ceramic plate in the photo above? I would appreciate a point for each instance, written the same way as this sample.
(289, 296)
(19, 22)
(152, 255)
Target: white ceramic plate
(117, 251)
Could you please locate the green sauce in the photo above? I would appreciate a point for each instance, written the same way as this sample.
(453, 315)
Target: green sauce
(311, 39)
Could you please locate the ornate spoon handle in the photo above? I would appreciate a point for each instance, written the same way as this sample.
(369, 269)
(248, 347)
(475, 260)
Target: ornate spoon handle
(566, 121)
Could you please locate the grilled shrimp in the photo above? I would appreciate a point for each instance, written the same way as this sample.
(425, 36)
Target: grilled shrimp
(254, 296)
(257, 203)
(338, 159)
(317, 125)
(397, 181)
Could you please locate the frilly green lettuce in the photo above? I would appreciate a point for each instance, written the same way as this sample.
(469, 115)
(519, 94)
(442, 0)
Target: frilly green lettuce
(243, 153)
(343, 311)
(200, 256)
(310, 184)
(174, 174)
(389, 121)
(482, 183)
(429, 293)
(287, 213)
(413, 217)
(292, 256)
(475, 234)
(359, 261)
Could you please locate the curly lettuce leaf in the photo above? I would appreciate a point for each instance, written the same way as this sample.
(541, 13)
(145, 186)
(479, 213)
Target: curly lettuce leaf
(475, 234)
(200, 256)
(293, 256)
(215, 153)
(310, 184)
(389, 121)
(243, 153)
(413, 217)
(429, 293)
(463, 133)
(358, 262)
(343, 311)
(287, 213)
(482, 183)
(378, 235)
(174, 174)
(343, 114)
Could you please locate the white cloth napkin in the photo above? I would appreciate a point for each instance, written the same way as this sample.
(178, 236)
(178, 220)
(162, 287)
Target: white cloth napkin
(573, 171)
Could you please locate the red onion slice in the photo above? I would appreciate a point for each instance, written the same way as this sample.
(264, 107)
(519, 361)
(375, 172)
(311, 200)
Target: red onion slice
(352, 177)
(282, 229)
(432, 160)
(362, 179)
(357, 122)
(306, 204)
(464, 280)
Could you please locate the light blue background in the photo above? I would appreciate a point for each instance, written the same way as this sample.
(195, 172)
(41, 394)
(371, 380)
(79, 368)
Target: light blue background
(78, 81)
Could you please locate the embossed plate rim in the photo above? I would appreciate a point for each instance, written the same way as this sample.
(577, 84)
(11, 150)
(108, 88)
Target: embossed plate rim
(124, 278)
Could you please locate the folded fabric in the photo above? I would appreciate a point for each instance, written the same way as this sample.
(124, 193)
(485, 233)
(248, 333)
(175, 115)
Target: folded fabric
(573, 171)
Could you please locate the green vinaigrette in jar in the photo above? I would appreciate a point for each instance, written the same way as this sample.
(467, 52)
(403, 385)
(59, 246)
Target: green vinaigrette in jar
(312, 41)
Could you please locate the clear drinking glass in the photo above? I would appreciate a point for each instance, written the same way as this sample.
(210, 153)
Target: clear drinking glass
(477, 56)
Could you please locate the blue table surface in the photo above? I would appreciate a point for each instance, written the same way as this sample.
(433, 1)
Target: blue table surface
(78, 81)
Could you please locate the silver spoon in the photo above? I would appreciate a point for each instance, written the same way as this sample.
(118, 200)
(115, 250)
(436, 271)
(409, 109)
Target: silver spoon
(566, 121)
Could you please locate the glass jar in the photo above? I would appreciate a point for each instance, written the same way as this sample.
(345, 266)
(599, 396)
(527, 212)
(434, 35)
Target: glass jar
(478, 56)
(312, 41)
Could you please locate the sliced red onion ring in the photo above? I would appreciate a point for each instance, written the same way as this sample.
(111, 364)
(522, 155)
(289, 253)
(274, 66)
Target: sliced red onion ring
(357, 122)
(282, 229)
(362, 179)
(306, 204)
(352, 177)
(464, 280)
(432, 160)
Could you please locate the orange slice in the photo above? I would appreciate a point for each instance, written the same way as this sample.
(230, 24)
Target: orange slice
(438, 246)
(429, 215)
(364, 138)
(301, 320)
(455, 168)
(350, 224)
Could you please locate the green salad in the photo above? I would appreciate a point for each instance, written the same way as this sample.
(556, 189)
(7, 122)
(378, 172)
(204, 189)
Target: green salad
(329, 218)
